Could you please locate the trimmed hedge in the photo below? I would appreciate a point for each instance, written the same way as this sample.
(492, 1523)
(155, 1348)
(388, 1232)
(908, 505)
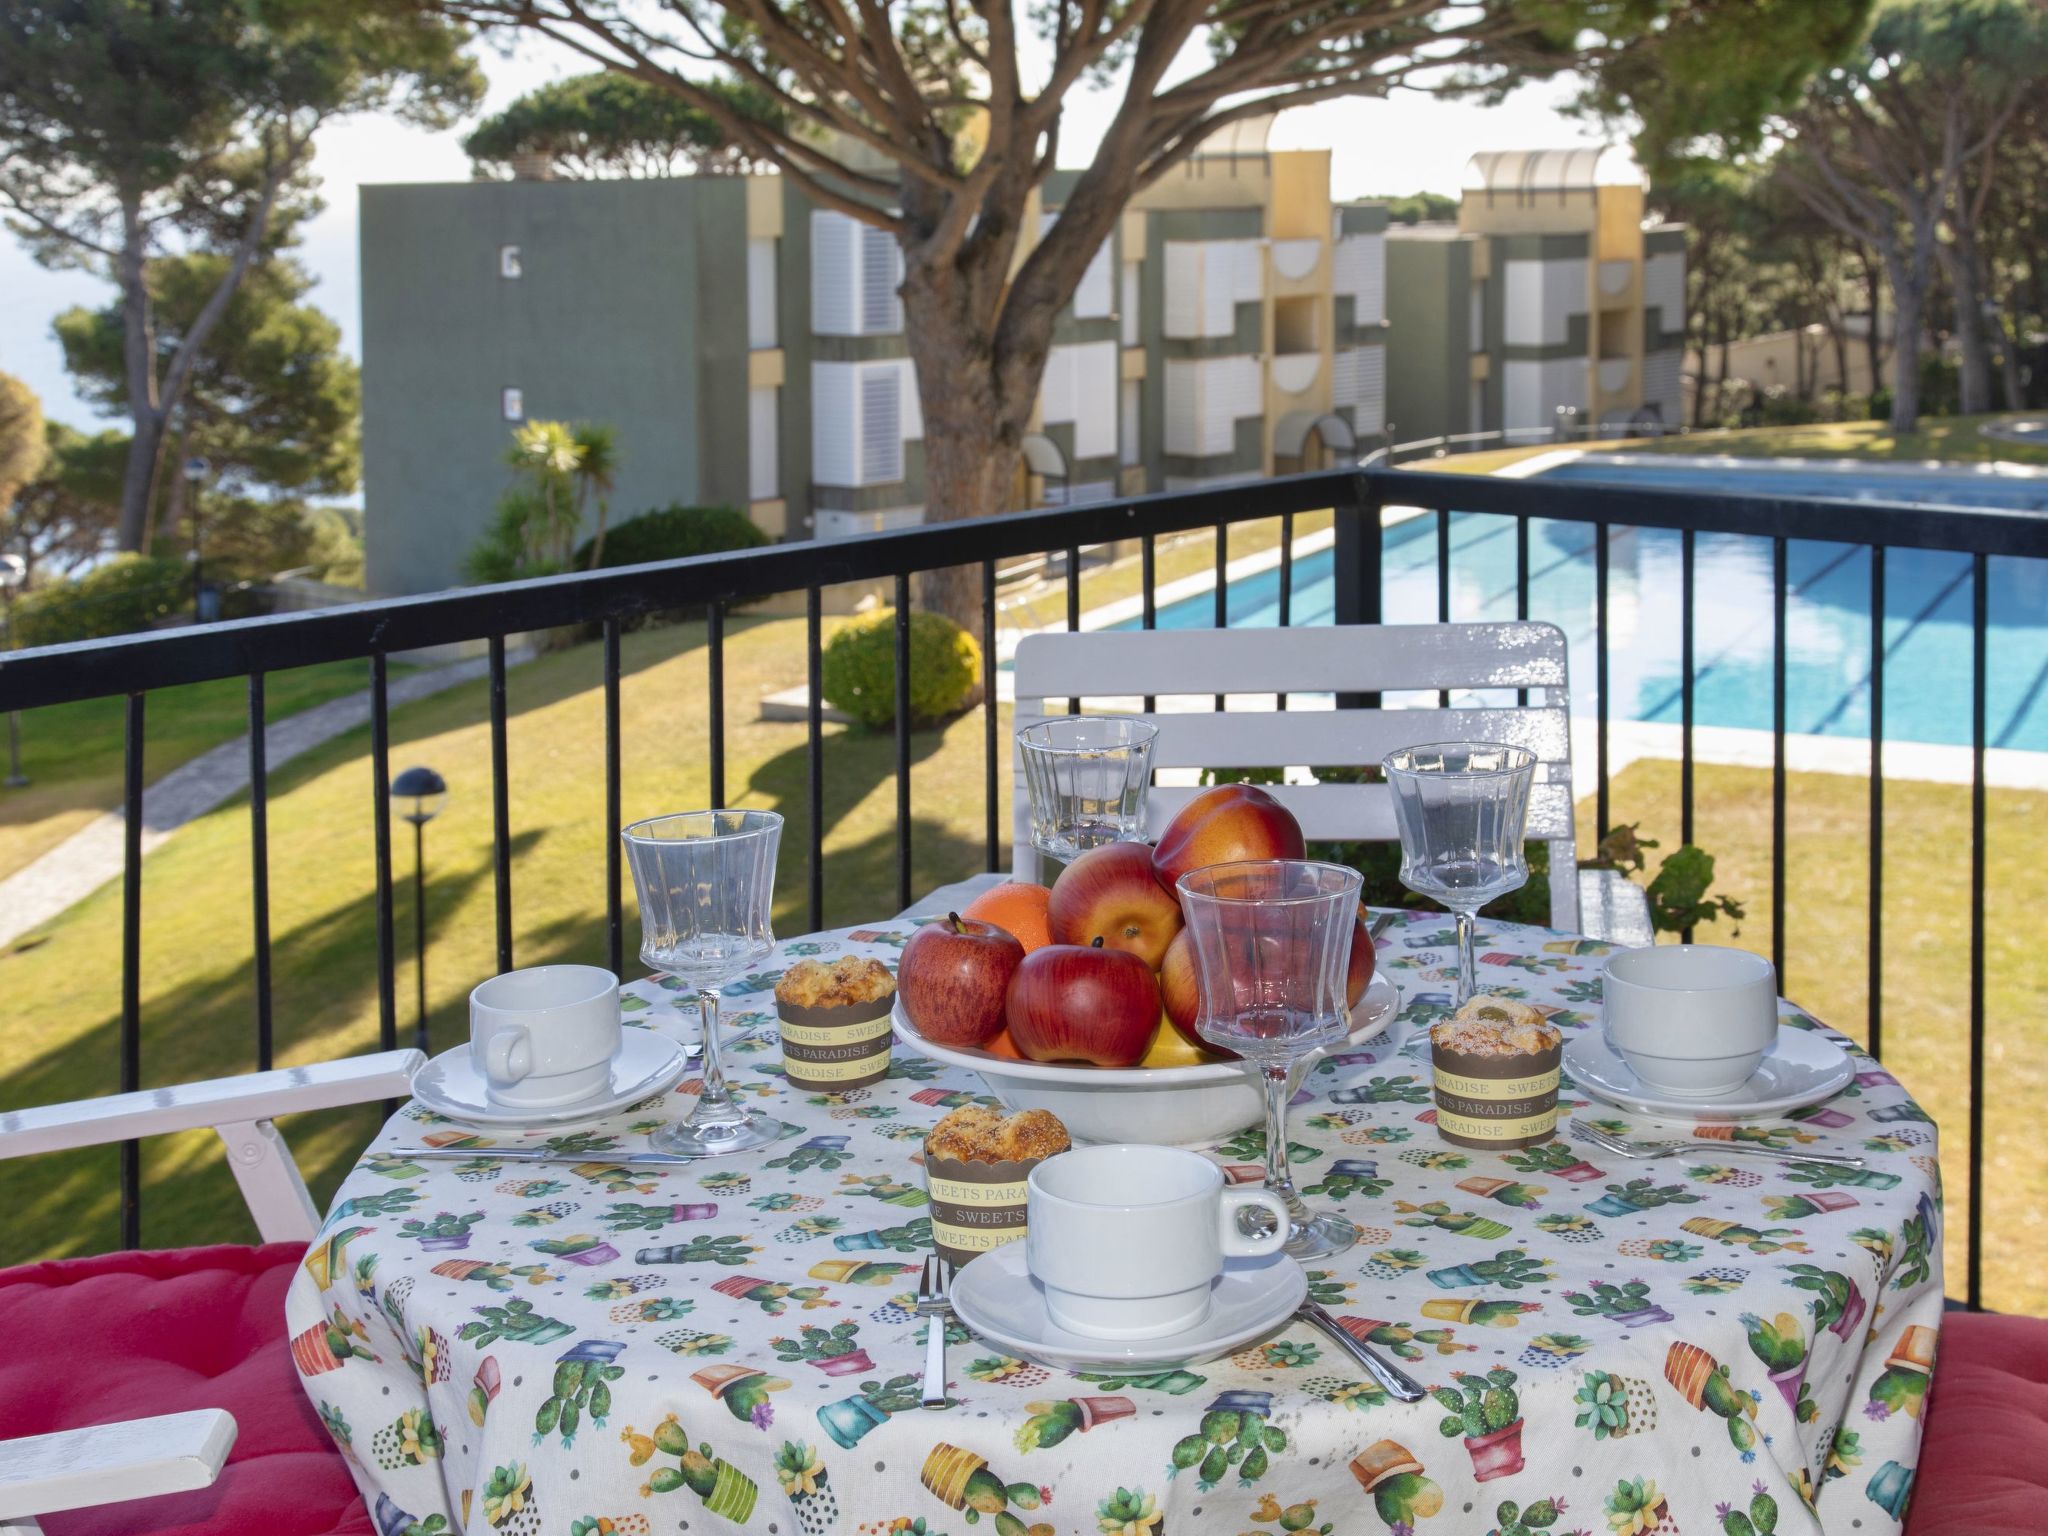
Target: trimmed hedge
(127, 593)
(673, 533)
(859, 672)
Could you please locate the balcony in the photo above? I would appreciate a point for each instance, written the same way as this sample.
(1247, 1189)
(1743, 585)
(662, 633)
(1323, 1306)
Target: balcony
(1295, 373)
(1617, 282)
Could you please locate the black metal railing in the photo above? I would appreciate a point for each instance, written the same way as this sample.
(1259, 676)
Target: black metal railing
(136, 665)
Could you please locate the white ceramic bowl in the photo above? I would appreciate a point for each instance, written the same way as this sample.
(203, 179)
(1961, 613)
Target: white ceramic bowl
(1166, 1106)
(1691, 1020)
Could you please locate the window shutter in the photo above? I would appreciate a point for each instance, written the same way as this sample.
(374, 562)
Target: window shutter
(881, 425)
(1132, 291)
(881, 311)
(834, 257)
(763, 444)
(1095, 403)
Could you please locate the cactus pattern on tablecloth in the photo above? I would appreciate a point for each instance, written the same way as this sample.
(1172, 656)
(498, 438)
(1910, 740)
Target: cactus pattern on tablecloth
(1714, 1346)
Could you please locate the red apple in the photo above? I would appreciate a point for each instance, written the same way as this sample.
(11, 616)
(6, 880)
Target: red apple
(1358, 974)
(1073, 1002)
(1223, 825)
(953, 977)
(1109, 893)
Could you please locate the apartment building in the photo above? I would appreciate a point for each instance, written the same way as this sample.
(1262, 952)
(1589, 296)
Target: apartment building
(1550, 299)
(749, 346)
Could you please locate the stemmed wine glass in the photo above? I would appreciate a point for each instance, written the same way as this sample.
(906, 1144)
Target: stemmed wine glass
(706, 880)
(1272, 941)
(1086, 776)
(1463, 808)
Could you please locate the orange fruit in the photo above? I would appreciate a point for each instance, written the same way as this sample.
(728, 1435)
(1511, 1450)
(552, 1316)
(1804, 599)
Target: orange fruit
(1017, 906)
(998, 1044)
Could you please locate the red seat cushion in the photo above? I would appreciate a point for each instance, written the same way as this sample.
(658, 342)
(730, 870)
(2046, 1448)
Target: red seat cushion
(128, 1335)
(1984, 1452)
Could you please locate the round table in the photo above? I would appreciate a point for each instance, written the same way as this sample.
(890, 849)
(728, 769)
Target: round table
(1713, 1345)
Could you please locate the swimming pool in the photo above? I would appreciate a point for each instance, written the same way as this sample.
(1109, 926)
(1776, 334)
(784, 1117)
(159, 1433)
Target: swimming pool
(1927, 608)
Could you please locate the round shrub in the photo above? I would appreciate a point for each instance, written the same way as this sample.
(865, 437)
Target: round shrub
(859, 674)
(127, 593)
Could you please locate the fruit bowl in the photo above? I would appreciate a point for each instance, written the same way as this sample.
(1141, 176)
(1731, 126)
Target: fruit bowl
(1168, 1106)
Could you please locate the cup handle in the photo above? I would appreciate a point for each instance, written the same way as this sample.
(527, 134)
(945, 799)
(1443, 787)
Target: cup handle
(508, 1056)
(1236, 1244)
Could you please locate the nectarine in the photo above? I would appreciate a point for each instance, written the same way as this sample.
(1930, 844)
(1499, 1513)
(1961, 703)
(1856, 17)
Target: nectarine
(1109, 893)
(1223, 825)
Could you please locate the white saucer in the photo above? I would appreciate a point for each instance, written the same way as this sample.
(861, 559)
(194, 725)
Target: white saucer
(996, 1297)
(1803, 1067)
(647, 1063)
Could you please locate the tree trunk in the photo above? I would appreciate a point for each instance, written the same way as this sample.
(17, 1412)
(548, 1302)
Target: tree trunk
(2009, 346)
(1873, 340)
(138, 356)
(1908, 298)
(1965, 274)
(975, 414)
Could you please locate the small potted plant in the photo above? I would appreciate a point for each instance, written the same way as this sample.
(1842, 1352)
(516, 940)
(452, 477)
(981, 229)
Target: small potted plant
(443, 1230)
(1837, 1301)
(1640, 1195)
(581, 1248)
(1488, 1414)
(1614, 1407)
(1628, 1304)
(1510, 1269)
(1517, 1521)
(829, 1350)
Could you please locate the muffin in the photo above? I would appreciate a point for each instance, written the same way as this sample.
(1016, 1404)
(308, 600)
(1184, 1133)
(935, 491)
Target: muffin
(1495, 1064)
(834, 1022)
(976, 1162)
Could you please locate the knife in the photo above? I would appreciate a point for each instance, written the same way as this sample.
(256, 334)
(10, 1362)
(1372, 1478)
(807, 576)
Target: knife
(1397, 1382)
(542, 1155)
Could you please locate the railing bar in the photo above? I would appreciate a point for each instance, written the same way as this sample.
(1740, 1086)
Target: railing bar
(1779, 563)
(380, 799)
(1286, 578)
(714, 661)
(1980, 624)
(1687, 595)
(1602, 811)
(988, 711)
(201, 652)
(501, 808)
(1521, 586)
(1073, 557)
(814, 751)
(1443, 584)
(614, 821)
(903, 730)
(131, 961)
(1222, 584)
(1875, 944)
(1148, 565)
(259, 870)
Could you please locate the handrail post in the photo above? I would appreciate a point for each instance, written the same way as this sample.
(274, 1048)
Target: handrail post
(1356, 556)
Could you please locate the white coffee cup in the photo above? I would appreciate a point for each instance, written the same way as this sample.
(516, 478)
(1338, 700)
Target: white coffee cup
(1691, 1020)
(545, 1036)
(1128, 1240)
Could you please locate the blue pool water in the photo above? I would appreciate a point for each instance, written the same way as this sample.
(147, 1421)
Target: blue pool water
(1927, 612)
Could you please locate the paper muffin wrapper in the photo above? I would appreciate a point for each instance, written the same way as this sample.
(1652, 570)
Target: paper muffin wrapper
(1496, 1102)
(832, 1050)
(976, 1206)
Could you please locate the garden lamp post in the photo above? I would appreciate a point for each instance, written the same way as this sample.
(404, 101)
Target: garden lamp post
(427, 791)
(13, 571)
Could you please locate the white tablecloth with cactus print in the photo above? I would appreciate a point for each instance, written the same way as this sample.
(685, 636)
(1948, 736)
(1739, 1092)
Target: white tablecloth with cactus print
(1682, 1346)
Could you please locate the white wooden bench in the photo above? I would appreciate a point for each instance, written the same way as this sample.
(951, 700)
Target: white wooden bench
(1185, 669)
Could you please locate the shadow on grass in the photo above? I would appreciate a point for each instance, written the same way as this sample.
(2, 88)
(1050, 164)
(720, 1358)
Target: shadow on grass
(69, 1202)
(860, 879)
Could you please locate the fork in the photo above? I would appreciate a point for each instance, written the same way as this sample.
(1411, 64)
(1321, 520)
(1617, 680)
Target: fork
(935, 1308)
(1621, 1146)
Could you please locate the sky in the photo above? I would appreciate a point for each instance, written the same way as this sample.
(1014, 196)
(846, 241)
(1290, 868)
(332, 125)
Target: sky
(1404, 144)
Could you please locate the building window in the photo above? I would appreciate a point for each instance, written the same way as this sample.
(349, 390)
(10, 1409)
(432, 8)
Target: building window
(761, 294)
(1130, 424)
(855, 272)
(1132, 290)
(861, 416)
(512, 403)
(508, 261)
(763, 445)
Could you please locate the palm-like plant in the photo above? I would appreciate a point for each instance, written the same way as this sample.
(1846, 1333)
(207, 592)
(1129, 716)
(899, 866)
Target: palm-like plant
(595, 474)
(548, 455)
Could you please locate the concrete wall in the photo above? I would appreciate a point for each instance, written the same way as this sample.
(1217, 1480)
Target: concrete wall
(630, 309)
(1430, 345)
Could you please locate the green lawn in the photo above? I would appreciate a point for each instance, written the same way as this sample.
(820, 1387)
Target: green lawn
(1955, 439)
(72, 752)
(197, 1000)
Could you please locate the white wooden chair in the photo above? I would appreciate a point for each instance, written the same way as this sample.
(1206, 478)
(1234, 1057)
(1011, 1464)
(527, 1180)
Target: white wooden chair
(171, 1453)
(1130, 665)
